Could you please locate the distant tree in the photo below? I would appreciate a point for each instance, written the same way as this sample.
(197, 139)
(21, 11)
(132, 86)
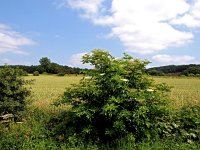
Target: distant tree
(192, 70)
(47, 66)
(45, 63)
(56, 68)
(53, 68)
(154, 72)
(176, 70)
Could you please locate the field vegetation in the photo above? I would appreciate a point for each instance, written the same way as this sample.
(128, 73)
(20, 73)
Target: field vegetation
(69, 123)
(185, 91)
(47, 88)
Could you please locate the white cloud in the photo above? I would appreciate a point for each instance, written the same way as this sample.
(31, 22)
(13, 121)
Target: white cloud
(91, 8)
(11, 41)
(143, 26)
(76, 61)
(178, 60)
(191, 18)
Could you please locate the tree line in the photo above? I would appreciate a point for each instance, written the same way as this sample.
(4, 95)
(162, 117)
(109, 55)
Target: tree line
(173, 70)
(46, 66)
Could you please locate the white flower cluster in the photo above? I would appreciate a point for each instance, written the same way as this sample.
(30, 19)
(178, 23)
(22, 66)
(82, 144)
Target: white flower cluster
(88, 77)
(150, 90)
(125, 80)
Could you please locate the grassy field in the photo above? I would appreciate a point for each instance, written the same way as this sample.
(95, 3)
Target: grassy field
(48, 88)
(185, 91)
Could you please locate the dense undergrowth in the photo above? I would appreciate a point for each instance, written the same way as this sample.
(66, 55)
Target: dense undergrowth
(32, 134)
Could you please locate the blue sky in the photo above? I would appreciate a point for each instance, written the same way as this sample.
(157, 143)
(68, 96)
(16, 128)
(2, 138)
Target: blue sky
(162, 31)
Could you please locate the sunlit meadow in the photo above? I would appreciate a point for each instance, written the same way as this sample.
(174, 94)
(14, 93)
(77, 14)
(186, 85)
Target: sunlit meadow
(47, 88)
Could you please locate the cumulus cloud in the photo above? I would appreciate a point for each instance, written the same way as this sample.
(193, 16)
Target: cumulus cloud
(191, 18)
(11, 41)
(76, 61)
(143, 26)
(171, 59)
(90, 7)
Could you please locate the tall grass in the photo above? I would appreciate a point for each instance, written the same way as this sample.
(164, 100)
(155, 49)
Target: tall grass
(185, 91)
(47, 88)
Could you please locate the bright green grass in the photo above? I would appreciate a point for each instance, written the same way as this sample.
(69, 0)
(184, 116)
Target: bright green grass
(48, 88)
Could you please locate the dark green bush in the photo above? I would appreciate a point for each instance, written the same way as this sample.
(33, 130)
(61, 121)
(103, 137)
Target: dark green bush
(13, 92)
(61, 74)
(114, 99)
(36, 73)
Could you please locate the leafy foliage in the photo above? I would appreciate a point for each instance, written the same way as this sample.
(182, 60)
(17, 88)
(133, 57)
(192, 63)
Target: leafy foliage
(186, 126)
(12, 91)
(114, 99)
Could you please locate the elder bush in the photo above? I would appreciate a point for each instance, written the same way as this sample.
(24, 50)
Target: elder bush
(114, 99)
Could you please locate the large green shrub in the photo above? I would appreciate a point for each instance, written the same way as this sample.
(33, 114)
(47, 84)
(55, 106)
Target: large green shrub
(113, 99)
(12, 91)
